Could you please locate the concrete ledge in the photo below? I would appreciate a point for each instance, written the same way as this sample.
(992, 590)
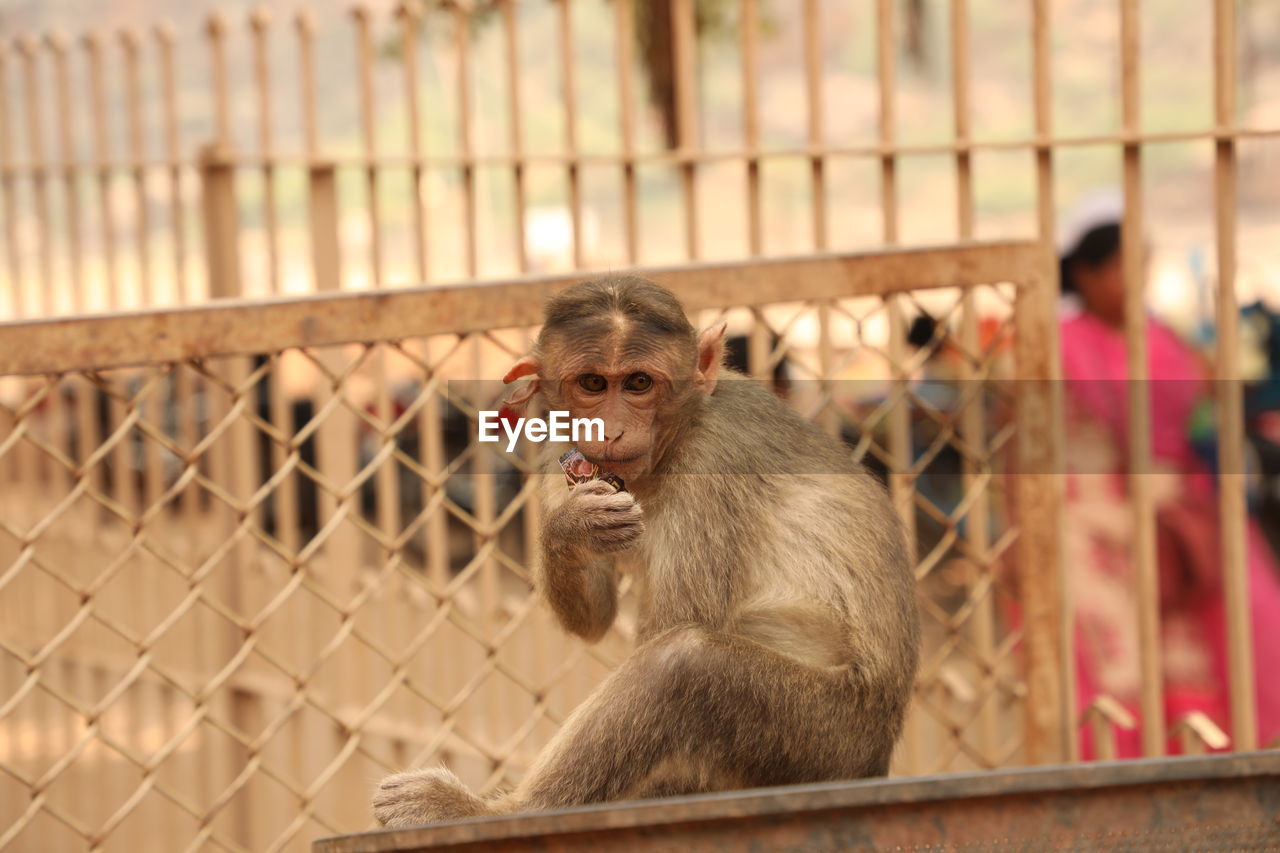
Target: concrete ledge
(1221, 802)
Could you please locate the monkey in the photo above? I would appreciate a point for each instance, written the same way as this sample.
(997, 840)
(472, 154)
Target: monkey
(777, 627)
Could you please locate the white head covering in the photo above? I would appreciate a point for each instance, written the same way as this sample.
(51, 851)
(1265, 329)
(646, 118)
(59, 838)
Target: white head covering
(1098, 208)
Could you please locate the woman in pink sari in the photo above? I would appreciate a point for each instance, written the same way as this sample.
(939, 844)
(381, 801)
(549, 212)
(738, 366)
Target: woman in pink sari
(1098, 534)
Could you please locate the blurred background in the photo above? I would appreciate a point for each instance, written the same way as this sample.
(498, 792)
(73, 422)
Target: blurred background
(175, 110)
(251, 555)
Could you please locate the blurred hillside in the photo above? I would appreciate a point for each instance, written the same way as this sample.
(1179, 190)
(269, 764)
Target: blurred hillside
(1176, 96)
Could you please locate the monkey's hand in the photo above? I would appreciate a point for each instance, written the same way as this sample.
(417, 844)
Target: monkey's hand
(597, 518)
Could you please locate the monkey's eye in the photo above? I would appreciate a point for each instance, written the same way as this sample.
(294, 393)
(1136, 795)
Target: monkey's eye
(638, 383)
(592, 383)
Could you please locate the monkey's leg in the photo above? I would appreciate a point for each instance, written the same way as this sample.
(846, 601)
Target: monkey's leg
(708, 711)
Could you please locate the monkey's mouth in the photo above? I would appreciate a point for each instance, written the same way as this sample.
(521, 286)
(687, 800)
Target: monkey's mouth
(606, 461)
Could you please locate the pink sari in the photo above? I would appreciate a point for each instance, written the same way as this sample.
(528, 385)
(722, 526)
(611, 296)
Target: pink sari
(1098, 536)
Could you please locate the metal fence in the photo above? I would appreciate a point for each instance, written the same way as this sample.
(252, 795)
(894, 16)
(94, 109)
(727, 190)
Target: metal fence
(225, 617)
(249, 554)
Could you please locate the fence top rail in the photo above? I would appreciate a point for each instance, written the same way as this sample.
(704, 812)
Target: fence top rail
(58, 345)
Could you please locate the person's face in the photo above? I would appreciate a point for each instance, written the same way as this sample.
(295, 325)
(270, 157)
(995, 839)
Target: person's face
(1101, 287)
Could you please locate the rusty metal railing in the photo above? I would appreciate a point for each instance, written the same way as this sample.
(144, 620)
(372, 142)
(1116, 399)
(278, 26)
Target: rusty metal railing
(252, 555)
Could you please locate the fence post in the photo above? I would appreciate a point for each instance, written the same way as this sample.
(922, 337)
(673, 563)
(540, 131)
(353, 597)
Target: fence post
(341, 563)
(233, 463)
(221, 223)
(1037, 498)
(322, 215)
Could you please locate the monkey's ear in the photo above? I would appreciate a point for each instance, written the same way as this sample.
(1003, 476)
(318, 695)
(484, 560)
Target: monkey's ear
(527, 366)
(524, 367)
(710, 355)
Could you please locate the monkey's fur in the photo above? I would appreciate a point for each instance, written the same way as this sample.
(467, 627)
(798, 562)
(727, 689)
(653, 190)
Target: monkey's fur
(778, 631)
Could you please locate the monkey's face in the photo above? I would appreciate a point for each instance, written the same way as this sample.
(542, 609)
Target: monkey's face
(632, 396)
(624, 352)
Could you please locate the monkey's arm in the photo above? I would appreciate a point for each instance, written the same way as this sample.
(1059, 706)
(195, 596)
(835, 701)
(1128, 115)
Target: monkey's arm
(581, 588)
(574, 571)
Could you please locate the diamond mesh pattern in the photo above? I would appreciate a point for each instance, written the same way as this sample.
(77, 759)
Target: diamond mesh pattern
(236, 591)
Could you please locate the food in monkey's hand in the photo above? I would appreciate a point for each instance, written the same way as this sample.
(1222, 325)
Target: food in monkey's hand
(578, 469)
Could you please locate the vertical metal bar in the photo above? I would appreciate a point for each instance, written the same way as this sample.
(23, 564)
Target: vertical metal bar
(1191, 745)
(259, 21)
(482, 464)
(888, 159)
(385, 479)
(759, 343)
(322, 229)
(511, 47)
(85, 417)
(960, 108)
(16, 467)
(409, 14)
(172, 152)
(482, 468)
(364, 56)
(1037, 488)
(322, 211)
(813, 99)
(1104, 737)
(53, 420)
(749, 36)
(1144, 530)
(66, 149)
(623, 11)
(121, 466)
(232, 459)
(222, 251)
(184, 384)
(29, 48)
(152, 471)
(433, 460)
(972, 419)
(129, 41)
(336, 441)
(410, 17)
(828, 417)
(9, 190)
(684, 42)
(570, 129)
(221, 226)
(216, 30)
(102, 152)
(1231, 482)
(285, 499)
(235, 457)
(901, 484)
(306, 27)
(1042, 54)
(462, 46)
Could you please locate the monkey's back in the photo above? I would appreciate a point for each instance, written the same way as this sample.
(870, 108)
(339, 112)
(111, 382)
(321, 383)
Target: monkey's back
(805, 541)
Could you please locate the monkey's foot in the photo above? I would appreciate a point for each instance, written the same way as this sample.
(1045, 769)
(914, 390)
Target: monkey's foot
(425, 796)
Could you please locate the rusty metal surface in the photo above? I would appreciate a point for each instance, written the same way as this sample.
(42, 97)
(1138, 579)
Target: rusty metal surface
(245, 328)
(1222, 802)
